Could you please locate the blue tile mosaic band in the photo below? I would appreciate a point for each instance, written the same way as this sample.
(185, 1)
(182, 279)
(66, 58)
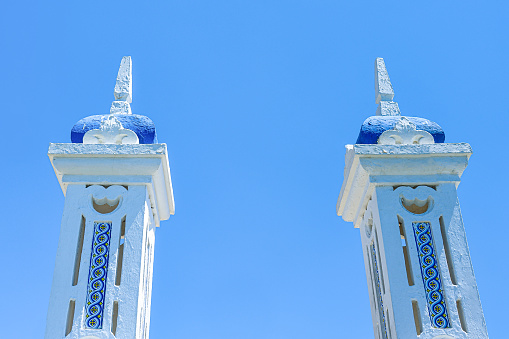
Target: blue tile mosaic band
(379, 293)
(431, 275)
(96, 289)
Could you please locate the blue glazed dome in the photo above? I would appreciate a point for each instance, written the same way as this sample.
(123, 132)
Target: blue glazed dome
(139, 124)
(374, 126)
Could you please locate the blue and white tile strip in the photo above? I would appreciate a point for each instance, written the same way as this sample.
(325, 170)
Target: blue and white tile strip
(96, 289)
(431, 275)
(379, 294)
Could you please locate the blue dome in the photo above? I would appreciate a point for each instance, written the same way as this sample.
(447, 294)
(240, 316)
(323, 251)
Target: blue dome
(374, 126)
(139, 124)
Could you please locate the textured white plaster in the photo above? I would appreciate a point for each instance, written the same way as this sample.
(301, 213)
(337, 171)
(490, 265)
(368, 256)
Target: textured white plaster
(120, 107)
(405, 133)
(388, 108)
(111, 132)
(106, 149)
(441, 149)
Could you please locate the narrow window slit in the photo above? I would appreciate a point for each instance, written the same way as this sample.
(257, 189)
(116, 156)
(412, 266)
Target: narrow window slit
(388, 324)
(380, 261)
(447, 250)
(79, 249)
(120, 257)
(371, 276)
(417, 317)
(114, 318)
(70, 316)
(380, 304)
(461, 314)
(406, 253)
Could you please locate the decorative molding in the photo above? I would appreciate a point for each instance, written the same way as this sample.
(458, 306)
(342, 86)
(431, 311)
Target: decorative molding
(405, 133)
(110, 132)
(433, 287)
(96, 288)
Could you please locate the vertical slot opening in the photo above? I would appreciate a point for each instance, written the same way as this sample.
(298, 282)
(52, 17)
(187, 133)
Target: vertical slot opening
(114, 318)
(120, 257)
(375, 291)
(389, 333)
(70, 317)
(380, 264)
(447, 250)
(417, 317)
(461, 314)
(79, 249)
(371, 278)
(406, 253)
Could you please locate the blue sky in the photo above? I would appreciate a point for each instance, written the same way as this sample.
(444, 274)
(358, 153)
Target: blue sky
(255, 101)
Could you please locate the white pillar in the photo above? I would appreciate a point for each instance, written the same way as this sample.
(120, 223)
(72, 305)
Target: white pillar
(135, 181)
(401, 193)
(116, 192)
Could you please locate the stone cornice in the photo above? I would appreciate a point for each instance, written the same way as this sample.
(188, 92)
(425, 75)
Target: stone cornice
(367, 166)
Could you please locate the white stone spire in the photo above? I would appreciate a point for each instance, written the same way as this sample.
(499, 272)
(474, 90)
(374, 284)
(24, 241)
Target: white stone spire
(384, 93)
(123, 88)
(383, 86)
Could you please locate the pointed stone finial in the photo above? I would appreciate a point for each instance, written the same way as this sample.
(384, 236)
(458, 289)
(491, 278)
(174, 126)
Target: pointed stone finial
(383, 86)
(123, 88)
(383, 90)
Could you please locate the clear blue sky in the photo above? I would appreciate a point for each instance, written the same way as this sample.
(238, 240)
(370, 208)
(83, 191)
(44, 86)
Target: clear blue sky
(255, 100)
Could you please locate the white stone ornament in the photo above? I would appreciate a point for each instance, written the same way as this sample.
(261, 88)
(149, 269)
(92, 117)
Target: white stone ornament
(405, 133)
(111, 132)
(105, 200)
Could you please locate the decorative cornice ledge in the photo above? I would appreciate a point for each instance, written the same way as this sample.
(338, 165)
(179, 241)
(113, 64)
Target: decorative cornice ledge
(112, 164)
(367, 166)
